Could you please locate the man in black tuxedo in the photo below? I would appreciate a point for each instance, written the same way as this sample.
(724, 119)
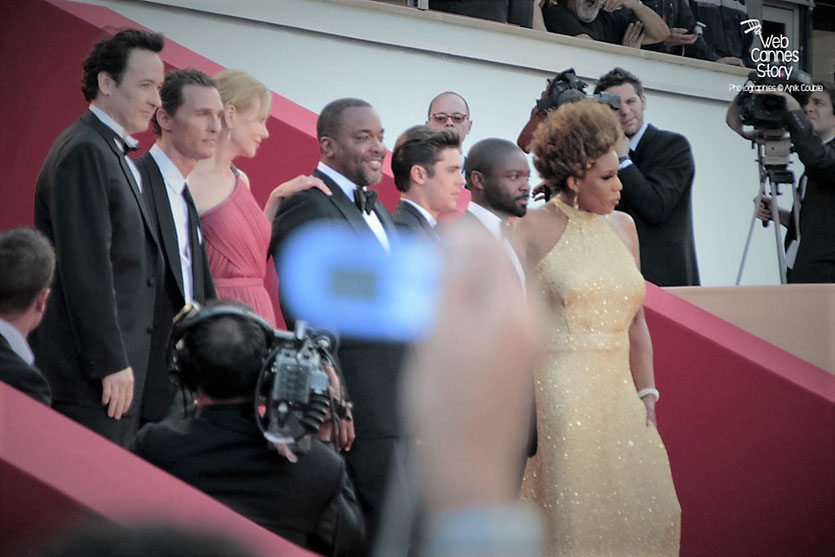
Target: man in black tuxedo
(222, 452)
(427, 166)
(498, 176)
(656, 170)
(352, 151)
(810, 255)
(186, 125)
(27, 264)
(95, 338)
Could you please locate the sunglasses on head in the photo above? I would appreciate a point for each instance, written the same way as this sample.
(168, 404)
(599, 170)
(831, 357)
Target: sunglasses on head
(442, 117)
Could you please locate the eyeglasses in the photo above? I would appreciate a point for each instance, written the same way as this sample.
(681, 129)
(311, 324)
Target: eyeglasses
(442, 117)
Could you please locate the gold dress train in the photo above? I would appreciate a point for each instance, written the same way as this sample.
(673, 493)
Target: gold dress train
(600, 474)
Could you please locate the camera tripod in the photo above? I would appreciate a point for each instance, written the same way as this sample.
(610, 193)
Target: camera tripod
(773, 152)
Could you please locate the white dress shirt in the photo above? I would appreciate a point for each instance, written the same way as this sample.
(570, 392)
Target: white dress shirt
(494, 225)
(349, 187)
(175, 183)
(16, 341)
(120, 131)
(429, 218)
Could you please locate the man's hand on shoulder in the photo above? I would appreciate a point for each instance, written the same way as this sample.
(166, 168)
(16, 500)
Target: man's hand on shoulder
(117, 392)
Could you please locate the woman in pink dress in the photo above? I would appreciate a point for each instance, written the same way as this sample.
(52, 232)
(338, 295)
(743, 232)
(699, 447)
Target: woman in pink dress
(236, 229)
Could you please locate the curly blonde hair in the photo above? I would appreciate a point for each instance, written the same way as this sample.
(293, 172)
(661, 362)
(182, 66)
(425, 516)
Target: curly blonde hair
(571, 138)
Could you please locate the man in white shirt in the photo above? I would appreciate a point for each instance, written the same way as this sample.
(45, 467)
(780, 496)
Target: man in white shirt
(94, 341)
(427, 167)
(27, 263)
(186, 125)
(498, 176)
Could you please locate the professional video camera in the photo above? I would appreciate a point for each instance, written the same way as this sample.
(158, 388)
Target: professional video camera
(564, 88)
(767, 111)
(293, 387)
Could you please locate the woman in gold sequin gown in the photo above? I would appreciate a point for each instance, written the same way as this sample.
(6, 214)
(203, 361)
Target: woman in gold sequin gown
(601, 473)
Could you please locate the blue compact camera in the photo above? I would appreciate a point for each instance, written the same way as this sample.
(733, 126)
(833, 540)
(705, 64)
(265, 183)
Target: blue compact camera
(335, 279)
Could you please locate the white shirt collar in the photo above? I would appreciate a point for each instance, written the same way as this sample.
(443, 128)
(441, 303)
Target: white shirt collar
(111, 123)
(827, 140)
(633, 142)
(344, 183)
(168, 169)
(422, 211)
(16, 341)
(487, 218)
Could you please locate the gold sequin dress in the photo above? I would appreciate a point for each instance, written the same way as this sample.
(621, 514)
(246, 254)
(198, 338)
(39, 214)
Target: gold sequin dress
(600, 474)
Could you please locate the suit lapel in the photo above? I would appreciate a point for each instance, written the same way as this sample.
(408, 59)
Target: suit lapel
(421, 220)
(344, 204)
(646, 139)
(155, 191)
(111, 138)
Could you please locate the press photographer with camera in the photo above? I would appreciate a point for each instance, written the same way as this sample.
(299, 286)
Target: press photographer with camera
(221, 352)
(810, 251)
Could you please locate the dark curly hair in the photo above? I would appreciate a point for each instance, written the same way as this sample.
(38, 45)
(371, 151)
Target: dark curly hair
(571, 138)
(171, 93)
(111, 56)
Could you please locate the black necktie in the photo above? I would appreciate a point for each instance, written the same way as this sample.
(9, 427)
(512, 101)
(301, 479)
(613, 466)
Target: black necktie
(365, 199)
(126, 148)
(194, 245)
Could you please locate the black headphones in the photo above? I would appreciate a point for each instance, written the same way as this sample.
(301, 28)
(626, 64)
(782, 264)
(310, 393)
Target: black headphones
(181, 368)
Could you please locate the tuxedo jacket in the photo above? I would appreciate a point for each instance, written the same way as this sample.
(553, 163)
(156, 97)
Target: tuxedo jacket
(221, 452)
(26, 378)
(408, 220)
(815, 261)
(371, 368)
(170, 297)
(656, 194)
(99, 319)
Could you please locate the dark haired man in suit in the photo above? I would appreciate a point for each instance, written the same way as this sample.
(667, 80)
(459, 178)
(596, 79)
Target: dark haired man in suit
(427, 166)
(498, 176)
(94, 341)
(27, 264)
(656, 170)
(222, 451)
(186, 125)
(351, 146)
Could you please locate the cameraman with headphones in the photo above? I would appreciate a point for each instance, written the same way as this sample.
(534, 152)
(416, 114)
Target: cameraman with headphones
(810, 252)
(218, 352)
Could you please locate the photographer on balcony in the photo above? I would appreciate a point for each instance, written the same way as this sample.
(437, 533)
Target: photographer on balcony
(810, 252)
(218, 352)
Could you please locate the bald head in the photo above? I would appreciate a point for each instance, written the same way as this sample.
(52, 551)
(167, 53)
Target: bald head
(449, 110)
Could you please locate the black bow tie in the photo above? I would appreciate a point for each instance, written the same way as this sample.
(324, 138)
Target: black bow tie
(365, 199)
(126, 148)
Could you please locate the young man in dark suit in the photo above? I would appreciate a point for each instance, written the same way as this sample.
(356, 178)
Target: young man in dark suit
(810, 254)
(656, 170)
(27, 263)
(220, 351)
(351, 145)
(186, 125)
(427, 166)
(498, 177)
(95, 338)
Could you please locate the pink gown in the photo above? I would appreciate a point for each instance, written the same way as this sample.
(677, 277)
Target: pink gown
(237, 237)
